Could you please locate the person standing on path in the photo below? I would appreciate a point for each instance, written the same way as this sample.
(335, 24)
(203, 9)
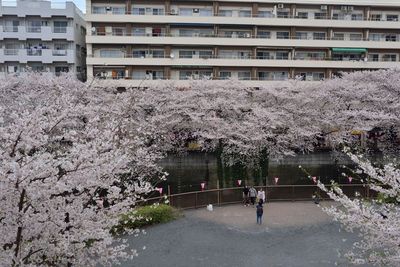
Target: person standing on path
(245, 195)
(253, 195)
(259, 211)
(261, 196)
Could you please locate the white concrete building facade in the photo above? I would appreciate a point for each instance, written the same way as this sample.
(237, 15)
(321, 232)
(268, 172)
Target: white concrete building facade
(254, 40)
(42, 36)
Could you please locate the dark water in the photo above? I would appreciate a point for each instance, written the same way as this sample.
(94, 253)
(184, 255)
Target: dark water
(186, 173)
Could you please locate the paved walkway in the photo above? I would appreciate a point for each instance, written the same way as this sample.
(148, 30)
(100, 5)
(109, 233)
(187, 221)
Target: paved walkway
(292, 234)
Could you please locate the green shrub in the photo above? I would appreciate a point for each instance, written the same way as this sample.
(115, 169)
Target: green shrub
(383, 198)
(145, 216)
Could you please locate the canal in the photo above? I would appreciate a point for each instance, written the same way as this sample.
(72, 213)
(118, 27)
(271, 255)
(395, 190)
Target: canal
(188, 172)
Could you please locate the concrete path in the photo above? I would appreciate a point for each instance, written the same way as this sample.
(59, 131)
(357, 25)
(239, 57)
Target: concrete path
(292, 234)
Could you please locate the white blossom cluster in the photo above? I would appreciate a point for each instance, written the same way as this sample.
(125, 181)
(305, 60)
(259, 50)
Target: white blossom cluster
(377, 222)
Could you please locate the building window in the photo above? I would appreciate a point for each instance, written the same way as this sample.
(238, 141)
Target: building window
(263, 55)
(338, 36)
(205, 54)
(225, 13)
(60, 26)
(11, 26)
(158, 11)
(186, 53)
(375, 37)
(34, 26)
(280, 76)
(99, 10)
(356, 16)
(111, 53)
(186, 12)
(376, 17)
(282, 55)
(139, 54)
(282, 35)
(392, 17)
(320, 15)
(245, 13)
(205, 12)
(244, 75)
(282, 14)
(158, 53)
(118, 10)
(391, 38)
(264, 34)
(265, 14)
(373, 57)
(138, 11)
(389, 57)
(319, 36)
(301, 35)
(139, 32)
(302, 15)
(225, 75)
(355, 36)
(264, 76)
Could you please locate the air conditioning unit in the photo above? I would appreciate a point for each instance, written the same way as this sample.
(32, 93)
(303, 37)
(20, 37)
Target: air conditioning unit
(174, 12)
(280, 6)
(324, 7)
(350, 8)
(247, 35)
(196, 10)
(343, 8)
(108, 8)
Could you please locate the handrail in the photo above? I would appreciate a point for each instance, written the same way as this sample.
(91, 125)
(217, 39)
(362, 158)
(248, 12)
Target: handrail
(178, 200)
(252, 15)
(243, 36)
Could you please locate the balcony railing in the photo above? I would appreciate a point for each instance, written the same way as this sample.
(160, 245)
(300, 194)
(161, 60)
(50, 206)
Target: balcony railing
(60, 29)
(237, 14)
(60, 52)
(34, 52)
(10, 28)
(34, 29)
(11, 52)
(244, 35)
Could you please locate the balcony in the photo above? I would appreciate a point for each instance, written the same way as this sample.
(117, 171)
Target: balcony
(252, 19)
(222, 61)
(39, 55)
(245, 40)
(45, 33)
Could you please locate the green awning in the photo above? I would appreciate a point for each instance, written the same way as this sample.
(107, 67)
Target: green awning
(349, 50)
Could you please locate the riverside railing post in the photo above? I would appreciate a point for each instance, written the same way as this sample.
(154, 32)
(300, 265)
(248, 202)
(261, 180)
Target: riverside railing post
(195, 201)
(169, 196)
(218, 194)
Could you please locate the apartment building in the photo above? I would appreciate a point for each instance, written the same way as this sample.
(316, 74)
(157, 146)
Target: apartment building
(254, 40)
(42, 36)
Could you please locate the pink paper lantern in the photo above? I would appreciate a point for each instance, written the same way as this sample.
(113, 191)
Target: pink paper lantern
(203, 185)
(239, 182)
(314, 178)
(276, 180)
(159, 189)
(350, 179)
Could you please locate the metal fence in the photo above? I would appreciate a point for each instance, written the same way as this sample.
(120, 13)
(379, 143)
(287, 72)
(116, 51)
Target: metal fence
(233, 195)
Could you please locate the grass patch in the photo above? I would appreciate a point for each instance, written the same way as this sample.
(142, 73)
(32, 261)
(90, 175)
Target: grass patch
(145, 216)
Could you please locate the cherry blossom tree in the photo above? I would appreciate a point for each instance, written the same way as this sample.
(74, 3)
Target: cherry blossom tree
(377, 221)
(74, 157)
(68, 170)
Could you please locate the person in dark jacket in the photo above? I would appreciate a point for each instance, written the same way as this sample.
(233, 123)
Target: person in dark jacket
(259, 211)
(246, 196)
